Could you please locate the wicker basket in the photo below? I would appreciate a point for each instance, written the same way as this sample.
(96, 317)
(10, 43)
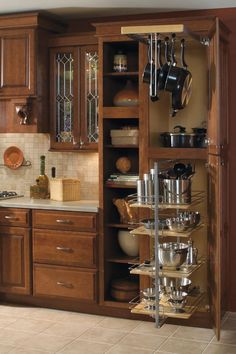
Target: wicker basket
(64, 189)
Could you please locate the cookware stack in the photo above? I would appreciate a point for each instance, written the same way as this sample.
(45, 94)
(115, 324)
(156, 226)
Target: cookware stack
(168, 76)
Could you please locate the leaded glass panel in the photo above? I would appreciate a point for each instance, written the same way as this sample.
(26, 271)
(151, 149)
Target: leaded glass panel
(91, 68)
(64, 97)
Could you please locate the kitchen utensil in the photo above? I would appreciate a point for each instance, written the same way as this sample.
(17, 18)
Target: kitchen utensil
(128, 243)
(172, 254)
(174, 71)
(178, 305)
(150, 223)
(183, 221)
(124, 289)
(176, 191)
(183, 86)
(192, 253)
(164, 68)
(178, 295)
(171, 284)
(13, 157)
(179, 138)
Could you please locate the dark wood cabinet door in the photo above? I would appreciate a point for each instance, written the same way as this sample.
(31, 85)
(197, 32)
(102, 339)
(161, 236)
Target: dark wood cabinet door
(218, 173)
(17, 48)
(15, 275)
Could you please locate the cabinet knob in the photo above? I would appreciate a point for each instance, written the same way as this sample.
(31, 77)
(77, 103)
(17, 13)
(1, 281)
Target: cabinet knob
(63, 221)
(65, 285)
(81, 143)
(64, 249)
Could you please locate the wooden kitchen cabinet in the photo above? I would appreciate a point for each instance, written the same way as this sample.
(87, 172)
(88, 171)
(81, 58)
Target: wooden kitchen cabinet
(15, 251)
(24, 67)
(65, 255)
(74, 93)
(207, 62)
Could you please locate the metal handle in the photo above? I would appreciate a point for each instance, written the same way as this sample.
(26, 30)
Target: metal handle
(65, 285)
(10, 217)
(64, 249)
(81, 143)
(61, 221)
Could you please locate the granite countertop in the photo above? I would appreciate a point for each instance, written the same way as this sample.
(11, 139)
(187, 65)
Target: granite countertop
(24, 202)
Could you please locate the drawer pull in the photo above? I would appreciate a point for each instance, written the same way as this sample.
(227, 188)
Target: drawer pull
(64, 249)
(63, 221)
(65, 285)
(9, 217)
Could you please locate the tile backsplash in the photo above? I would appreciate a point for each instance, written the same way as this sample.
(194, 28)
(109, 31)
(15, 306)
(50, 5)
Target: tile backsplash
(68, 164)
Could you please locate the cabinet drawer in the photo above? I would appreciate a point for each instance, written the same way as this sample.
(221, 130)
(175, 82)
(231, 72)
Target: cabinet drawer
(64, 247)
(14, 217)
(62, 220)
(65, 282)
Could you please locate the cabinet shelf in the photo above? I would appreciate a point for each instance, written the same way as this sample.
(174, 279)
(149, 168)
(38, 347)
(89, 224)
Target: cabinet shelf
(121, 146)
(125, 74)
(184, 270)
(121, 112)
(159, 153)
(193, 302)
(114, 303)
(121, 226)
(141, 230)
(116, 185)
(124, 259)
(197, 198)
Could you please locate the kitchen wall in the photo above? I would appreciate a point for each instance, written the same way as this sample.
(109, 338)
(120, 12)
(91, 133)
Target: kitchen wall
(80, 165)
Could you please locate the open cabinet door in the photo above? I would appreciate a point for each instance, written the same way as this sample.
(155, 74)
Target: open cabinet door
(218, 173)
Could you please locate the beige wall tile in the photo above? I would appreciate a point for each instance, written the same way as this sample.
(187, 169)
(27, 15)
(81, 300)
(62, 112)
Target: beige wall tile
(78, 165)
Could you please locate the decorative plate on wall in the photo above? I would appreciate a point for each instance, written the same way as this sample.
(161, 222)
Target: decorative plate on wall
(13, 157)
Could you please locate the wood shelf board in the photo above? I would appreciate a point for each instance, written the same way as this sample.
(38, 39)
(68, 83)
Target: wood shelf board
(184, 271)
(121, 112)
(141, 230)
(197, 198)
(159, 153)
(121, 146)
(120, 185)
(121, 226)
(166, 310)
(122, 74)
(117, 304)
(123, 259)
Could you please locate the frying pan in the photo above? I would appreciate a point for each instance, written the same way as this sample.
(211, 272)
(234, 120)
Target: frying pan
(164, 68)
(183, 90)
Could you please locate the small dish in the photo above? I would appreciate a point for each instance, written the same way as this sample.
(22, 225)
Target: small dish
(13, 157)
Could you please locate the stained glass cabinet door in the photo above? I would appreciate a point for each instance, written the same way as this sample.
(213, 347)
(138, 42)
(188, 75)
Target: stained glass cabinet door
(74, 98)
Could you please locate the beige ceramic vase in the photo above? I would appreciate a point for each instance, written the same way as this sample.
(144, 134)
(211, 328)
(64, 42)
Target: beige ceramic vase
(126, 97)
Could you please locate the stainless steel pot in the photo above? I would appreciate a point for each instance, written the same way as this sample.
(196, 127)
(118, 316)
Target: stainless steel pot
(176, 191)
(171, 254)
(181, 139)
(171, 284)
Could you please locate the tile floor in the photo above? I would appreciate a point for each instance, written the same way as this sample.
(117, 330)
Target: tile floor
(28, 330)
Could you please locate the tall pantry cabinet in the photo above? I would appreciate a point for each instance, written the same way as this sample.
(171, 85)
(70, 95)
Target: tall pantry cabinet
(207, 56)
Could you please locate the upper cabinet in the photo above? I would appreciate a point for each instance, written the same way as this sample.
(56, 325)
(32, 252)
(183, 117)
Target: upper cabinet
(24, 90)
(74, 93)
(17, 62)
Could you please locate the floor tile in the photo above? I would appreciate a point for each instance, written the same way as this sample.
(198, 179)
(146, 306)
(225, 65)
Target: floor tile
(4, 348)
(182, 346)
(220, 349)
(73, 330)
(7, 320)
(17, 311)
(229, 324)
(126, 349)
(149, 327)
(118, 323)
(146, 341)
(30, 325)
(226, 337)
(232, 315)
(45, 342)
(18, 350)
(12, 337)
(103, 335)
(202, 334)
(85, 347)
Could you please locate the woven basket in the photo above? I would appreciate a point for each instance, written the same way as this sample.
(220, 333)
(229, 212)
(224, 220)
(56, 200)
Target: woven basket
(65, 189)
